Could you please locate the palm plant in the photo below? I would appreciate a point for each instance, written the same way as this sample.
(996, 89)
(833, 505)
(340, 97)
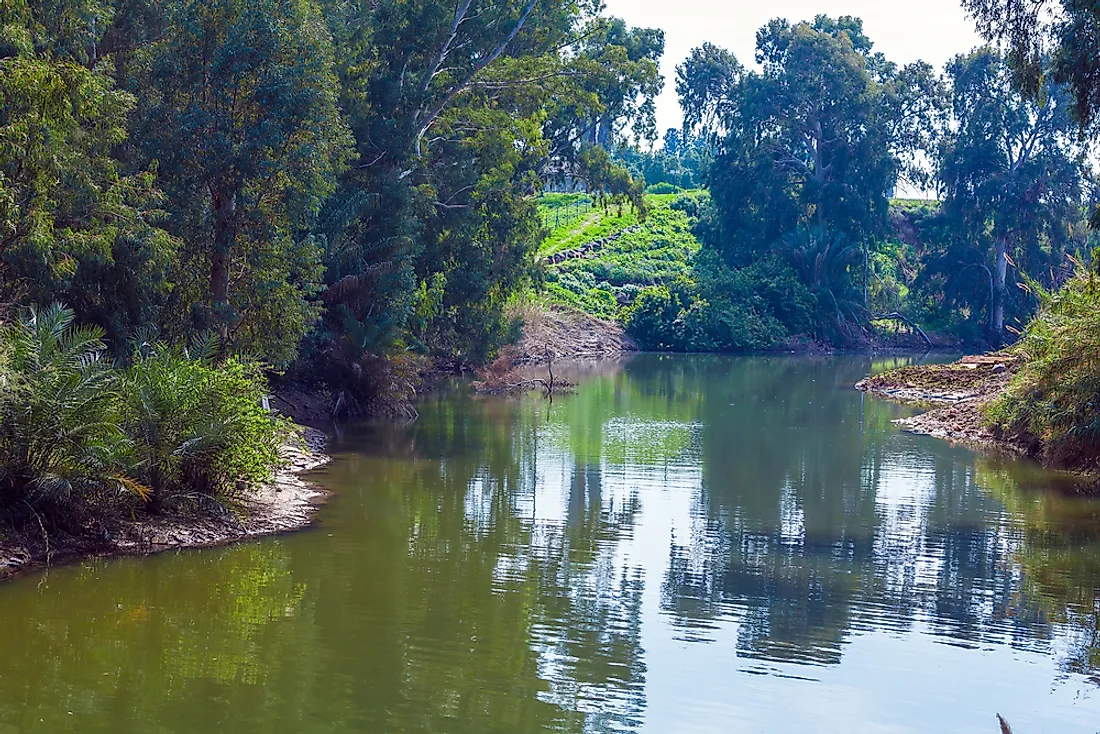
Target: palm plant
(176, 430)
(59, 435)
(823, 262)
(197, 427)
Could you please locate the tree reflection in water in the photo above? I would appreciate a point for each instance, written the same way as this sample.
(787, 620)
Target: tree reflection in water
(502, 565)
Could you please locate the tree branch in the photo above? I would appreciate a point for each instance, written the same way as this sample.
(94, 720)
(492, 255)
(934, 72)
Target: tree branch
(433, 114)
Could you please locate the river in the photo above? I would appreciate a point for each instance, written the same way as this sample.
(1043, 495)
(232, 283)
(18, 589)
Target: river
(686, 544)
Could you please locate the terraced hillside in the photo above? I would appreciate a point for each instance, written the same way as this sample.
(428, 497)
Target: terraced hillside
(598, 260)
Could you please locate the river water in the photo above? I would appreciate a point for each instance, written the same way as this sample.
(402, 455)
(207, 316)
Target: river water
(686, 544)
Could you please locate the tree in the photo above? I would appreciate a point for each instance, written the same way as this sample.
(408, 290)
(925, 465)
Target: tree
(707, 86)
(73, 224)
(1012, 174)
(816, 142)
(240, 109)
(1049, 41)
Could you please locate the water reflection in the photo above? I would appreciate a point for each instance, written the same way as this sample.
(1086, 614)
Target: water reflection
(686, 544)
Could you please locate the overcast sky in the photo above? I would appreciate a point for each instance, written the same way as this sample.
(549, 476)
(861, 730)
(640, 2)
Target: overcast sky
(933, 30)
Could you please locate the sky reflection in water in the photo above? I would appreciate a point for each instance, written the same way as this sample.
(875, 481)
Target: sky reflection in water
(687, 544)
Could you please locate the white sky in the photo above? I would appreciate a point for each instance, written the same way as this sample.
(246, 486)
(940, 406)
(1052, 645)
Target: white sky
(933, 30)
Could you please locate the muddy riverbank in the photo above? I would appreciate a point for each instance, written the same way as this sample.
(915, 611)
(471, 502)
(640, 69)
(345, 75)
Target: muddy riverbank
(954, 394)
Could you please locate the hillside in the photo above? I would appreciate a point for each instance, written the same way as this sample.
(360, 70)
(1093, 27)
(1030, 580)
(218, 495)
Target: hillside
(597, 259)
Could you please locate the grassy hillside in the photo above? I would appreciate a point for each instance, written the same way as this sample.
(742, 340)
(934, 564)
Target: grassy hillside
(622, 253)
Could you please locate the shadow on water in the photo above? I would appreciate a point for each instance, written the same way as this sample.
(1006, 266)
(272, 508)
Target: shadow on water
(678, 546)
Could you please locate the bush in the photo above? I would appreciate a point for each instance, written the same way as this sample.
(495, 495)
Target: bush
(60, 446)
(81, 438)
(680, 319)
(693, 203)
(663, 187)
(1052, 404)
(196, 428)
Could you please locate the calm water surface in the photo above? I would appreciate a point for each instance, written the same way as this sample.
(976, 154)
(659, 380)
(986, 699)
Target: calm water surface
(684, 545)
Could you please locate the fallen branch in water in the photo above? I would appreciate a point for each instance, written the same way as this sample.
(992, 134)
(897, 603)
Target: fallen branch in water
(898, 316)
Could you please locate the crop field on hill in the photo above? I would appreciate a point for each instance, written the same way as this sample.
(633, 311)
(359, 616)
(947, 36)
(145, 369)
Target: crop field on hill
(622, 254)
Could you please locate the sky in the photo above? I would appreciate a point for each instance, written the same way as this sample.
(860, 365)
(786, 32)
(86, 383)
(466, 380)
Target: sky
(932, 30)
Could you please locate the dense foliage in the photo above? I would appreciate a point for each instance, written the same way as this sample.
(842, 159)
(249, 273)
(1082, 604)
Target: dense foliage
(81, 438)
(324, 184)
(803, 159)
(1052, 405)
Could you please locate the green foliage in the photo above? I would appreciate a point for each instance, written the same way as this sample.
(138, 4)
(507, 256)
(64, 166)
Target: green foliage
(812, 144)
(81, 438)
(679, 319)
(583, 226)
(656, 251)
(196, 428)
(1052, 404)
(74, 225)
(1013, 176)
(240, 109)
(1061, 45)
(60, 445)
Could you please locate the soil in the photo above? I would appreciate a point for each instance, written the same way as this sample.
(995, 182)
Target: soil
(288, 503)
(954, 394)
(554, 340)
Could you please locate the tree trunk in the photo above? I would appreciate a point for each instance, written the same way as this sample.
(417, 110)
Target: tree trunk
(224, 207)
(1000, 278)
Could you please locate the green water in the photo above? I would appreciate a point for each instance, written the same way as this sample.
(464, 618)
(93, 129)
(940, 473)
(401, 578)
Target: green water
(684, 545)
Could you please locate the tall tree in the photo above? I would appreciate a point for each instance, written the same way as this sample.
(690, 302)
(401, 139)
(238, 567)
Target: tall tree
(1049, 40)
(1012, 172)
(73, 225)
(707, 85)
(240, 110)
(817, 141)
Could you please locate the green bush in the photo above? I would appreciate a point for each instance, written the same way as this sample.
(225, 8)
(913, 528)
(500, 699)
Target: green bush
(60, 445)
(197, 428)
(80, 437)
(663, 187)
(679, 319)
(1052, 404)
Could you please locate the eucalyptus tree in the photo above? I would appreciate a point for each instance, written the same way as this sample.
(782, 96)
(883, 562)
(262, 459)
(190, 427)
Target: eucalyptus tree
(239, 109)
(1013, 175)
(461, 111)
(816, 142)
(707, 85)
(1049, 40)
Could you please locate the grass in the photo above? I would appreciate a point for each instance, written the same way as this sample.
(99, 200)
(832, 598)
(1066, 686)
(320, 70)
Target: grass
(1052, 405)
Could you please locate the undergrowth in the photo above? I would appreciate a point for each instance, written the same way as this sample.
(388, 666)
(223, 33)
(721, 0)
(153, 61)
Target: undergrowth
(83, 439)
(1052, 405)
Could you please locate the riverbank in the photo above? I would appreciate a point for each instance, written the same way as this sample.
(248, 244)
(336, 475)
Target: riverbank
(552, 335)
(285, 504)
(954, 394)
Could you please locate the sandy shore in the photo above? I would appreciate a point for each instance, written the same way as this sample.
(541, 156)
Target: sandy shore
(286, 504)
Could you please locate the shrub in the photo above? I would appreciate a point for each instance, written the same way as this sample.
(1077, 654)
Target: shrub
(80, 438)
(651, 320)
(1052, 404)
(695, 204)
(197, 428)
(663, 187)
(60, 445)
